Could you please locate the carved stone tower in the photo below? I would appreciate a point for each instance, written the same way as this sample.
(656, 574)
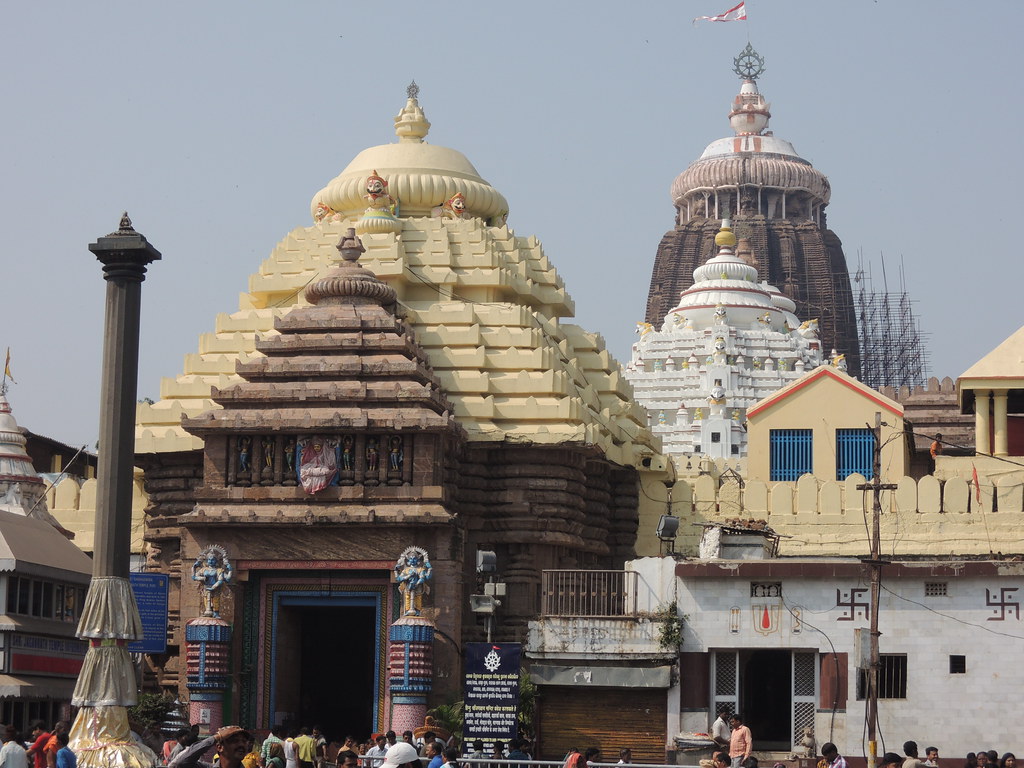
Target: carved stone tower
(777, 200)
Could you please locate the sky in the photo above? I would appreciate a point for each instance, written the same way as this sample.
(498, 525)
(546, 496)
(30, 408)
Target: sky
(213, 124)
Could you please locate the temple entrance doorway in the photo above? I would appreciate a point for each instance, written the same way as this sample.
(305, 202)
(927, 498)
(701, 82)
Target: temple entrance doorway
(775, 690)
(326, 670)
(767, 697)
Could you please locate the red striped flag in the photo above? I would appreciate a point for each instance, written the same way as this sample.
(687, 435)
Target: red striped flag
(977, 485)
(739, 13)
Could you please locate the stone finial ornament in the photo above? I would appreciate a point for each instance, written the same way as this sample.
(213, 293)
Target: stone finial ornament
(412, 572)
(350, 246)
(411, 123)
(213, 571)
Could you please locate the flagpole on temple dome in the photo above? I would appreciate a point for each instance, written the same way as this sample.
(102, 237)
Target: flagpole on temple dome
(101, 736)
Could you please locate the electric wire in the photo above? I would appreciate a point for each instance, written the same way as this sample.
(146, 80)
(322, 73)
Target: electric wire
(951, 618)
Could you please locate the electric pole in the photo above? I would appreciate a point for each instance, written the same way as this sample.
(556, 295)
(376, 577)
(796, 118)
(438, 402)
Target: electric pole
(875, 564)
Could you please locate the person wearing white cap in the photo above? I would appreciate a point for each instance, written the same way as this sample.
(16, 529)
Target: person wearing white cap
(401, 755)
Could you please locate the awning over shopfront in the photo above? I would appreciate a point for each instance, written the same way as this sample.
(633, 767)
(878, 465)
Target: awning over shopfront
(31, 687)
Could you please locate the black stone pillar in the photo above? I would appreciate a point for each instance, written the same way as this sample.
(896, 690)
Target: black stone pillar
(124, 255)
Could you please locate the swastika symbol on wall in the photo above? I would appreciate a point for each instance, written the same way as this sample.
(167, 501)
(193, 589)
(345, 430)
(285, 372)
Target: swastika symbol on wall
(854, 604)
(1003, 604)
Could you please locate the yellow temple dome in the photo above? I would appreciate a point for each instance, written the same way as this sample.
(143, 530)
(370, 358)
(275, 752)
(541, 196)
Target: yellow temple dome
(421, 177)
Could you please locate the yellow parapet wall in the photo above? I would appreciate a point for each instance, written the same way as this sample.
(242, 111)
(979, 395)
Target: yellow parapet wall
(827, 518)
(74, 506)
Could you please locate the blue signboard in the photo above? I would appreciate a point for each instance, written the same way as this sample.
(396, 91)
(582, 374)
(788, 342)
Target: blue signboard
(151, 596)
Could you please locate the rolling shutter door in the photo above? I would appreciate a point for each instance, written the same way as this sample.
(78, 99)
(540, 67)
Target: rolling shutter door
(607, 718)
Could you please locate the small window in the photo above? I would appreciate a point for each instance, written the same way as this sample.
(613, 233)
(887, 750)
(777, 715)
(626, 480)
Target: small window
(716, 437)
(24, 589)
(791, 453)
(47, 600)
(936, 589)
(892, 678)
(696, 449)
(855, 452)
(735, 450)
(766, 589)
(957, 665)
(12, 594)
(37, 598)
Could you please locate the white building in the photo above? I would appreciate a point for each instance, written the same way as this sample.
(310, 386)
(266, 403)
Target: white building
(729, 342)
(778, 640)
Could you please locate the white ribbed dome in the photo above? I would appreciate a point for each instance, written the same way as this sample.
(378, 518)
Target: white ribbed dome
(421, 176)
(753, 157)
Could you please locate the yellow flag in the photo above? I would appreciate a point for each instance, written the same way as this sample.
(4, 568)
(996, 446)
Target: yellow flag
(7, 366)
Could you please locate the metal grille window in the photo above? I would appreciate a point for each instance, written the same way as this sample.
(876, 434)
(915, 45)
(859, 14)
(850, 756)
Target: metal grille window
(791, 453)
(957, 664)
(588, 593)
(855, 452)
(725, 680)
(892, 678)
(936, 589)
(805, 680)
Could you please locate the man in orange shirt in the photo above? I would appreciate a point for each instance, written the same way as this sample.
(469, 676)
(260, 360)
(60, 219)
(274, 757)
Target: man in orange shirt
(740, 743)
(52, 745)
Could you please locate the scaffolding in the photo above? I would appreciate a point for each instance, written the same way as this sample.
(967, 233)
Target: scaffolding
(892, 346)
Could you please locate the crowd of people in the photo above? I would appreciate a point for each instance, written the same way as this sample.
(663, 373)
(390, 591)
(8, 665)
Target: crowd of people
(307, 747)
(45, 747)
(235, 747)
(911, 758)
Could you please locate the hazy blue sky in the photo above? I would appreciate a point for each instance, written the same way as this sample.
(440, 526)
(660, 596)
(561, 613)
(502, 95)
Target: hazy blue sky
(214, 123)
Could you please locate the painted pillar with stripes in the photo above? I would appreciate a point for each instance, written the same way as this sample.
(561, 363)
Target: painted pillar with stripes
(208, 645)
(410, 671)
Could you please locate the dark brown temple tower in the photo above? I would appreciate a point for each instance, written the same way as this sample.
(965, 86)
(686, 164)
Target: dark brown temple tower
(777, 200)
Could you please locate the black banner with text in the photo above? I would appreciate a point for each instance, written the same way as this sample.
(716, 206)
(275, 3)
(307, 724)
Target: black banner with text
(491, 701)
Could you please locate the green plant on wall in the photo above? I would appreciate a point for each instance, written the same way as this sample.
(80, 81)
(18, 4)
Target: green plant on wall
(448, 716)
(528, 696)
(670, 634)
(151, 710)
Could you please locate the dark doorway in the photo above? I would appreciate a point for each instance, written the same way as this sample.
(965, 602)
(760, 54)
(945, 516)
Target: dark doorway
(332, 655)
(767, 698)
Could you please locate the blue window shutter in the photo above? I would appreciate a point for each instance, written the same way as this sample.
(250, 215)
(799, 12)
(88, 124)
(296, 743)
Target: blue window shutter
(791, 453)
(855, 452)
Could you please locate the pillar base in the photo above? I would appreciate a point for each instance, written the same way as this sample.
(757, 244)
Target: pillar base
(407, 717)
(207, 643)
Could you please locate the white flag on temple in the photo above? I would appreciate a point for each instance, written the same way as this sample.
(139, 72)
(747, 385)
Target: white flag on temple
(739, 13)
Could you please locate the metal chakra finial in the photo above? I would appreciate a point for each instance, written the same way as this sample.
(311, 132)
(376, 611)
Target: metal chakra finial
(413, 90)
(749, 64)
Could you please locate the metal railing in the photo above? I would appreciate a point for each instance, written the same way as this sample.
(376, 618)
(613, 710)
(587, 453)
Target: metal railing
(490, 762)
(588, 593)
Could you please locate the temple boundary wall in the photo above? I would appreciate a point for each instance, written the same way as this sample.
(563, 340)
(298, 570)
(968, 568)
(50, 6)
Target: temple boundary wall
(815, 517)
(73, 502)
